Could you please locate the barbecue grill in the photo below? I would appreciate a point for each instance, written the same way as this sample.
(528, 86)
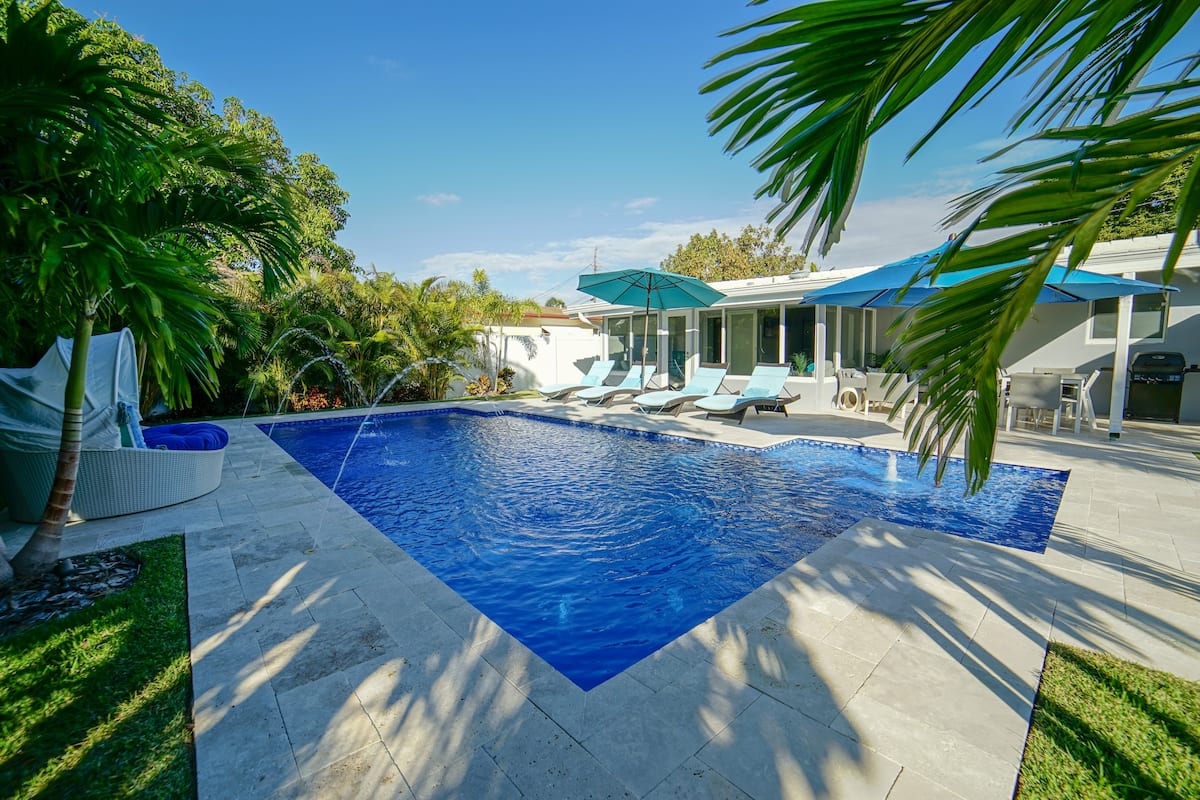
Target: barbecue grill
(1155, 386)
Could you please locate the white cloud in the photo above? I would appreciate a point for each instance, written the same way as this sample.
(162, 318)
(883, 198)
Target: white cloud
(878, 231)
(640, 204)
(439, 199)
(968, 176)
(552, 267)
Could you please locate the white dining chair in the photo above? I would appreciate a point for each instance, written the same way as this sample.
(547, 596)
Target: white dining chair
(1077, 400)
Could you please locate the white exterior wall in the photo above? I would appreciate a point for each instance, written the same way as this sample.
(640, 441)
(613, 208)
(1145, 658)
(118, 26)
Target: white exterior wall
(559, 355)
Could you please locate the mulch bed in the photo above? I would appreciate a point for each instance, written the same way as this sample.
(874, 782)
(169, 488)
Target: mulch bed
(55, 594)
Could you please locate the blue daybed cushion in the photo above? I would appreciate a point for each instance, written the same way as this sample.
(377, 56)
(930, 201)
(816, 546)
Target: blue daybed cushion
(186, 436)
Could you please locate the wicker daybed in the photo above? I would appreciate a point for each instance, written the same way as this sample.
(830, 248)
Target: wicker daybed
(110, 482)
(119, 472)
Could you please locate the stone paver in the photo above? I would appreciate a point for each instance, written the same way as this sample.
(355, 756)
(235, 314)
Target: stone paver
(894, 662)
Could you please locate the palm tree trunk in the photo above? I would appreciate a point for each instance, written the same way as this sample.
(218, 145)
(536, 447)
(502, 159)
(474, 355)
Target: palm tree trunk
(146, 386)
(41, 552)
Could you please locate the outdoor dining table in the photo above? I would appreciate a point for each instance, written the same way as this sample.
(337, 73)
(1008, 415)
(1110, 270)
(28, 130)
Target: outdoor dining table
(1072, 387)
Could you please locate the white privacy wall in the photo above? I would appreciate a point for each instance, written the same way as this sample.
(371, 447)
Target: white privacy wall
(552, 354)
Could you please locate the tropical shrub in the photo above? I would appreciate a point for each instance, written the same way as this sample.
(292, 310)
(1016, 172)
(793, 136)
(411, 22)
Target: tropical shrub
(482, 386)
(316, 398)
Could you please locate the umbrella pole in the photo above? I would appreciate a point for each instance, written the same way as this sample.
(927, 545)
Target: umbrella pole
(646, 338)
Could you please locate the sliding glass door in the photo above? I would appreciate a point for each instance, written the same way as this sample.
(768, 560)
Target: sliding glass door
(741, 342)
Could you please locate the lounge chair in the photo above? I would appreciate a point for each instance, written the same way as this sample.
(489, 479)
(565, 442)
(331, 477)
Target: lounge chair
(596, 376)
(604, 395)
(706, 382)
(763, 392)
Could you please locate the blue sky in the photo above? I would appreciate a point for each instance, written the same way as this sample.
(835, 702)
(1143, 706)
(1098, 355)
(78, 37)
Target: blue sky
(523, 136)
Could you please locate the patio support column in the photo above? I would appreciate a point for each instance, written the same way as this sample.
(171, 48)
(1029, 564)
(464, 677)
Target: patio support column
(819, 350)
(1116, 402)
(693, 343)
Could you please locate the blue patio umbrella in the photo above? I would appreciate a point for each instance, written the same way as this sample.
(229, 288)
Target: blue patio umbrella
(881, 287)
(651, 288)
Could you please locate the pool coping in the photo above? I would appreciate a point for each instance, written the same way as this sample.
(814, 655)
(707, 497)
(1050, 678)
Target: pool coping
(891, 662)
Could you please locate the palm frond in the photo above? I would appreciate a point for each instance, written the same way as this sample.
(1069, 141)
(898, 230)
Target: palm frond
(957, 337)
(829, 75)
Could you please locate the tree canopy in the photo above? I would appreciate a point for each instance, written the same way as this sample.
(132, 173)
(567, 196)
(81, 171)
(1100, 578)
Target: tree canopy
(755, 253)
(316, 200)
(109, 204)
(1153, 215)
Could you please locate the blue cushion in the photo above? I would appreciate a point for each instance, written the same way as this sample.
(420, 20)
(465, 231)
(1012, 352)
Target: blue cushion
(187, 436)
(757, 391)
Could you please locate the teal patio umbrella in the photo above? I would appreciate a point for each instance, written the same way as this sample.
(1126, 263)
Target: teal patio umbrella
(651, 288)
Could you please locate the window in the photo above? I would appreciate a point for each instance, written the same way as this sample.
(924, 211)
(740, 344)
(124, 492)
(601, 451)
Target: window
(676, 350)
(1149, 318)
(800, 323)
(741, 350)
(831, 338)
(852, 338)
(625, 336)
(618, 342)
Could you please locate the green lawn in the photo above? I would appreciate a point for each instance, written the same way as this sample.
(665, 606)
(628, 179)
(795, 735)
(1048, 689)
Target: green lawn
(1105, 728)
(97, 704)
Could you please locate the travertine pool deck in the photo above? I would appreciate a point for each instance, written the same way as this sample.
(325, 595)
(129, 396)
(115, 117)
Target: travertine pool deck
(891, 663)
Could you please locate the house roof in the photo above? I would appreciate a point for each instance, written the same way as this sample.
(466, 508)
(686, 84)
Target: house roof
(749, 291)
(1141, 255)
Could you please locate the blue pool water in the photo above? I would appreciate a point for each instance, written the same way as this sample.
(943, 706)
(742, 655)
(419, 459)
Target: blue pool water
(596, 546)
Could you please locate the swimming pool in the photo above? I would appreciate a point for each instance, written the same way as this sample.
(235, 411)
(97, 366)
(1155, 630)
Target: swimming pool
(596, 546)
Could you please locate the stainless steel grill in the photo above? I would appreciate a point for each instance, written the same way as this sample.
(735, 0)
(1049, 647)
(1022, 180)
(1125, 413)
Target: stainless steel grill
(1155, 386)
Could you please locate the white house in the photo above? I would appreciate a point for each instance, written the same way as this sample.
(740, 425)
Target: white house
(760, 320)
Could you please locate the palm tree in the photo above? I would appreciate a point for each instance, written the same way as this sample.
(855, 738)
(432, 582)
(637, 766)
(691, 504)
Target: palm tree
(814, 83)
(432, 332)
(98, 214)
(487, 306)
